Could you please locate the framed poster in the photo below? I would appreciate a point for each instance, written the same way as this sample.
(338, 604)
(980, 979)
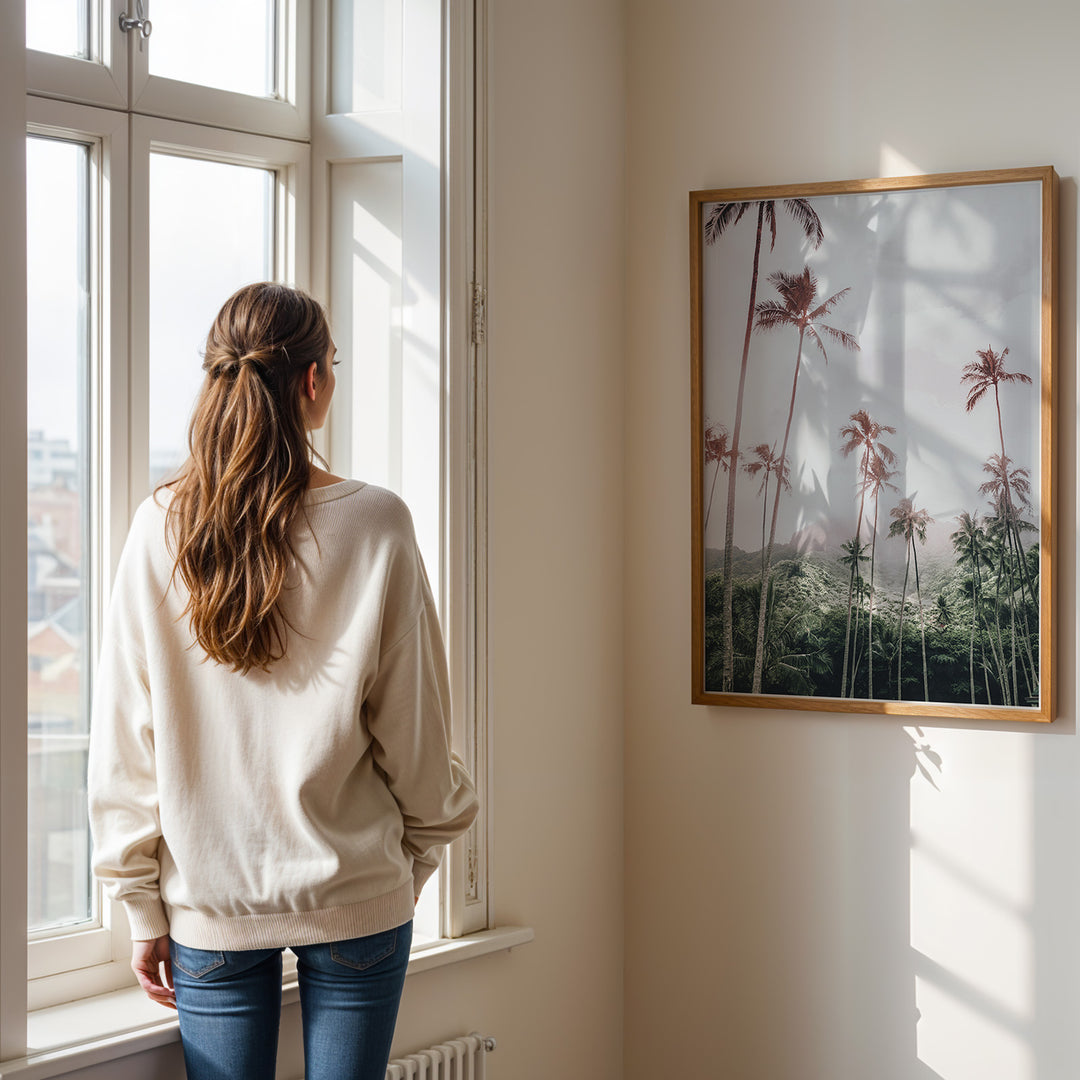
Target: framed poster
(873, 445)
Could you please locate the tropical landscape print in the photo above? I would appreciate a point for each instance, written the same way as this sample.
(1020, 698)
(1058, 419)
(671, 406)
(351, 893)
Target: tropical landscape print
(870, 428)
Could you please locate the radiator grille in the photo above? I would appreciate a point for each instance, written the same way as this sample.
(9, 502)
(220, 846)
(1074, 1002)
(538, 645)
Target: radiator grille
(456, 1059)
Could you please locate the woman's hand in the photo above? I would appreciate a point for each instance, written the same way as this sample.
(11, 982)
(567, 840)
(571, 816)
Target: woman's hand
(153, 968)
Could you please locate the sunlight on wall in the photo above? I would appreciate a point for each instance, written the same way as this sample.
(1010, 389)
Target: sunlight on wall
(893, 163)
(971, 900)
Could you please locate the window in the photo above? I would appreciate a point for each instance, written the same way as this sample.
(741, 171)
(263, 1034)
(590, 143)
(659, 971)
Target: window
(196, 207)
(63, 29)
(142, 155)
(58, 220)
(239, 54)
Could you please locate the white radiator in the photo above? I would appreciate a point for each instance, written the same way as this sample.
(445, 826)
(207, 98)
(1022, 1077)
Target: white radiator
(457, 1059)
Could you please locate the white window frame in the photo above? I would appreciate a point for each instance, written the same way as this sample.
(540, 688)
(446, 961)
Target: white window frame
(106, 133)
(101, 79)
(287, 116)
(13, 457)
(469, 906)
(51, 82)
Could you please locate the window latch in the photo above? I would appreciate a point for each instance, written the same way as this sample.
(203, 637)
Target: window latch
(142, 24)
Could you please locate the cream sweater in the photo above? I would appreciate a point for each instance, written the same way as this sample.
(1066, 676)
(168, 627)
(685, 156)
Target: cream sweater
(304, 805)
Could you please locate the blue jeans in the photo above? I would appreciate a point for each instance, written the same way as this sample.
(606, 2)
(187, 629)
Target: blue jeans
(230, 1007)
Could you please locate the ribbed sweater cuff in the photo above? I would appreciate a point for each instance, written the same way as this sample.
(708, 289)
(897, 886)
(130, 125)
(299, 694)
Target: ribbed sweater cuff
(146, 918)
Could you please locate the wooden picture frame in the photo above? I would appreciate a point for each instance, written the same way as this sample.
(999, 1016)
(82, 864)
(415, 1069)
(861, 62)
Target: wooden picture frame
(873, 463)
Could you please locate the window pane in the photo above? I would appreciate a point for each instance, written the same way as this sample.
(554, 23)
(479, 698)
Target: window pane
(211, 231)
(58, 501)
(229, 46)
(58, 26)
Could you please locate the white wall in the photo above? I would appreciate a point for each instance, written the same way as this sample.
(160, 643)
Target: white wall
(800, 901)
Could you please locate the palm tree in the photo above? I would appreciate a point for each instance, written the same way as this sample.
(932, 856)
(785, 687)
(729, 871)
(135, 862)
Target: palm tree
(988, 372)
(716, 449)
(852, 556)
(862, 595)
(797, 308)
(910, 524)
(997, 555)
(864, 433)
(943, 614)
(720, 218)
(1008, 486)
(877, 480)
(969, 542)
(794, 652)
(1009, 489)
(768, 461)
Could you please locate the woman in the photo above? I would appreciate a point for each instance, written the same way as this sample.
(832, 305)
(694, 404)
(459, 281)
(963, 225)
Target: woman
(270, 763)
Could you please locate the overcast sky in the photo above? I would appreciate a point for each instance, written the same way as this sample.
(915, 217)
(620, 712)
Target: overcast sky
(934, 276)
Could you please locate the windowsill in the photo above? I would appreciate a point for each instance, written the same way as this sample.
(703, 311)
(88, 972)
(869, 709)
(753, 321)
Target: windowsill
(83, 1033)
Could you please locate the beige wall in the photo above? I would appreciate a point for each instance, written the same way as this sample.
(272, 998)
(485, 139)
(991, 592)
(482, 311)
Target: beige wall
(800, 901)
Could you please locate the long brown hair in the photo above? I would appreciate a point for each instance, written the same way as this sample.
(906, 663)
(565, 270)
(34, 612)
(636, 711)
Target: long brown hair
(242, 488)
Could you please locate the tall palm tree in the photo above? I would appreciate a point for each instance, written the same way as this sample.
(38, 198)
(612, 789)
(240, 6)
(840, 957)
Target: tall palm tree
(768, 462)
(862, 433)
(943, 615)
(716, 449)
(982, 375)
(719, 219)
(853, 556)
(877, 480)
(910, 524)
(1007, 486)
(987, 373)
(997, 552)
(798, 309)
(862, 596)
(968, 542)
(1008, 490)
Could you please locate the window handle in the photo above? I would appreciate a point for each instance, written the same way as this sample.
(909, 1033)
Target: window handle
(142, 24)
